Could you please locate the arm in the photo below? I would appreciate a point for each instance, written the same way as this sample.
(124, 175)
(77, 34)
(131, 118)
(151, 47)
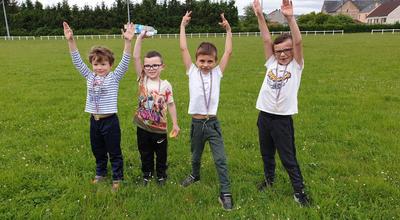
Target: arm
(187, 60)
(287, 11)
(69, 35)
(262, 25)
(128, 35)
(136, 53)
(122, 67)
(228, 44)
(172, 112)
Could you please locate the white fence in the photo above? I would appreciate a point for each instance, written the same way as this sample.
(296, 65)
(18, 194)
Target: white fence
(384, 30)
(190, 35)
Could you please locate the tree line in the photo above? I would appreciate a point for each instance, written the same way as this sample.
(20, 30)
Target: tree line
(32, 18)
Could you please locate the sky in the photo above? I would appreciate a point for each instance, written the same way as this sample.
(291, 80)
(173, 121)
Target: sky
(300, 6)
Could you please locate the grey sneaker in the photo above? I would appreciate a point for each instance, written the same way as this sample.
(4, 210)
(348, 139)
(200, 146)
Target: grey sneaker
(98, 179)
(226, 201)
(264, 185)
(189, 180)
(301, 198)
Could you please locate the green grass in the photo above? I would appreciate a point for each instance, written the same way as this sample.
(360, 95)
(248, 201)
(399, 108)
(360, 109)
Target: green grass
(347, 135)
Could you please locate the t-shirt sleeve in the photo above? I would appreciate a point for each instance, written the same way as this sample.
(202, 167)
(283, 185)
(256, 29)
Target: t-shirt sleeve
(298, 66)
(169, 96)
(191, 69)
(270, 60)
(218, 71)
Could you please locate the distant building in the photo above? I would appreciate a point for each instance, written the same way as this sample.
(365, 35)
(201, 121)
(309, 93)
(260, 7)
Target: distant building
(387, 13)
(277, 17)
(357, 9)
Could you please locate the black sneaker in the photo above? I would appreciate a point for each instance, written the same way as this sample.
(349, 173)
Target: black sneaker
(189, 180)
(264, 185)
(301, 198)
(146, 181)
(226, 201)
(161, 181)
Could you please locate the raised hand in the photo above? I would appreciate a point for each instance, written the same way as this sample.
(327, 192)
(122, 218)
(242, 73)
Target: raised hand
(143, 34)
(69, 35)
(186, 18)
(129, 32)
(287, 8)
(225, 23)
(257, 8)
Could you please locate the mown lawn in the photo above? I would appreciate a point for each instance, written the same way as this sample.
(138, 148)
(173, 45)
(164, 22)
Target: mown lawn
(347, 135)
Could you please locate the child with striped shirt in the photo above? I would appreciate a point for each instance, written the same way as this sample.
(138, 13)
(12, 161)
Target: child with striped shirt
(101, 102)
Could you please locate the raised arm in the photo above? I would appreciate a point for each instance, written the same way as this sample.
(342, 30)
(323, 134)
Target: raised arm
(128, 35)
(187, 60)
(136, 53)
(262, 25)
(228, 43)
(69, 36)
(287, 11)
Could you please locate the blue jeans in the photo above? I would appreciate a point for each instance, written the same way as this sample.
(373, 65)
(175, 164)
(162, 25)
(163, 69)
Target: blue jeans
(105, 138)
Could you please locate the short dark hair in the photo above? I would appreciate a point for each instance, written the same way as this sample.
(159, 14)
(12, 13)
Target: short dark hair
(99, 54)
(154, 53)
(207, 48)
(282, 38)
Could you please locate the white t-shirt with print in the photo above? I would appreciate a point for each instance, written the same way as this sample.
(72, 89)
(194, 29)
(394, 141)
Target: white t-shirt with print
(197, 103)
(278, 93)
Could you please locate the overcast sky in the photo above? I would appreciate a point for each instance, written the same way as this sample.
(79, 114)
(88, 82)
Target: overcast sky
(300, 6)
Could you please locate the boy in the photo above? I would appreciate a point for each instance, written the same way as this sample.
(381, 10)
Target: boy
(277, 100)
(101, 103)
(155, 98)
(204, 84)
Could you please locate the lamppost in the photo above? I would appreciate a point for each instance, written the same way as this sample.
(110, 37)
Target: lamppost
(129, 15)
(5, 18)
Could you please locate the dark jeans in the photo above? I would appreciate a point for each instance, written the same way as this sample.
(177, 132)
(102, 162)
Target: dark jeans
(150, 143)
(276, 132)
(105, 138)
(202, 131)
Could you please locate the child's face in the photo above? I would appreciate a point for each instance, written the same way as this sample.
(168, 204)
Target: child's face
(283, 52)
(152, 67)
(205, 62)
(101, 68)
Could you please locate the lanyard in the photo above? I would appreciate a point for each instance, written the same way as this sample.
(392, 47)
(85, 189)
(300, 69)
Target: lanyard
(204, 91)
(279, 81)
(148, 95)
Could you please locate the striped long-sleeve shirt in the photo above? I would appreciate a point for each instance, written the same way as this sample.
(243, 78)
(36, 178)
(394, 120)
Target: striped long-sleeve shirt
(102, 92)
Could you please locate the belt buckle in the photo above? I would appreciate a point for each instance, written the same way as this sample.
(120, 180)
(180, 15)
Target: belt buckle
(96, 117)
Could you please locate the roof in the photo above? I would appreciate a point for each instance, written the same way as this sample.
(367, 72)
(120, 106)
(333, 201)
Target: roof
(385, 9)
(368, 9)
(331, 6)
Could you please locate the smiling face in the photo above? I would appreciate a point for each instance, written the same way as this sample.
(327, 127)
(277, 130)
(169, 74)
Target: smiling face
(152, 67)
(205, 62)
(101, 67)
(283, 52)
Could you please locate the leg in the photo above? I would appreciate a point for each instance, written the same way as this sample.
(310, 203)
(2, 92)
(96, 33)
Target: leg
(112, 135)
(98, 148)
(217, 148)
(283, 135)
(160, 143)
(146, 152)
(267, 147)
(197, 147)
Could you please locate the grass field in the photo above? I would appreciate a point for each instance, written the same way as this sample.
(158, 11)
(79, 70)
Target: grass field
(347, 135)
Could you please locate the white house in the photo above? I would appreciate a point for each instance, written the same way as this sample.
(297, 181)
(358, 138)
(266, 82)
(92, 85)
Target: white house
(387, 13)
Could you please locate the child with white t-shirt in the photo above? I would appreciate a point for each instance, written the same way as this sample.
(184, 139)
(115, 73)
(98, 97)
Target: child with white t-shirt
(154, 99)
(204, 85)
(277, 100)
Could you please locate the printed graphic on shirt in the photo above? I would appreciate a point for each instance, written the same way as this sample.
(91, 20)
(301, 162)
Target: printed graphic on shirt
(277, 81)
(97, 90)
(151, 114)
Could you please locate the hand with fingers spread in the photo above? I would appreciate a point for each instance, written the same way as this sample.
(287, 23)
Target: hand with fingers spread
(257, 8)
(186, 18)
(69, 35)
(129, 32)
(225, 23)
(143, 34)
(287, 8)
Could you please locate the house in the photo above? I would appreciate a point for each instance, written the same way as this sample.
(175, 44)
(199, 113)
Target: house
(387, 13)
(276, 17)
(357, 9)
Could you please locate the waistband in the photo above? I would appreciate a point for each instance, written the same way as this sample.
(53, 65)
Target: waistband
(266, 114)
(205, 120)
(98, 117)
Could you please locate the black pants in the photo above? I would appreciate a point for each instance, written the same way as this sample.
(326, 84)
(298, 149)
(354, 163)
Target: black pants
(105, 138)
(276, 132)
(150, 143)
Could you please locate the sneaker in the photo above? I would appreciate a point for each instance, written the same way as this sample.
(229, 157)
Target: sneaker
(98, 179)
(264, 185)
(116, 185)
(301, 198)
(226, 201)
(161, 181)
(189, 180)
(146, 181)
